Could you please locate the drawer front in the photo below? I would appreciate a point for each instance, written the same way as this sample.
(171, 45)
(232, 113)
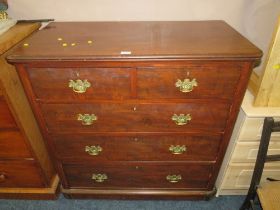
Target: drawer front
(87, 147)
(126, 175)
(6, 118)
(12, 145)
(217, 80)
(239, 176)
(135, 117)
(252, 130)
(19, 174)
(105, 83)
(247, 151)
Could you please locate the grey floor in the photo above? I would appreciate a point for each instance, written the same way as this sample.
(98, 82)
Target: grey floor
(220, 203)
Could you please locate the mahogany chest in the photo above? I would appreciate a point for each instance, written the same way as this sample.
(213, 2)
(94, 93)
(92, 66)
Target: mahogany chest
(26, 170)
(136, 109)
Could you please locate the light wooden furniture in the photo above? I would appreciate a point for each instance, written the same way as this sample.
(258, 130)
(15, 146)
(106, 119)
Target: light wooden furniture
(136, 109)
(266, 87)
(25, 168)
(238, 165)
(269, 195)
(268, 192)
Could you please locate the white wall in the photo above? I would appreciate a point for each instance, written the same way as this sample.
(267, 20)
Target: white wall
(255, 19)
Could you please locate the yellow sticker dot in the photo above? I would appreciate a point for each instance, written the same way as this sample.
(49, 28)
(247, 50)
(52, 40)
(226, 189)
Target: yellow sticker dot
(25, 44)
(89, 42)
(73, 44)
(64, 44)
(59, 39)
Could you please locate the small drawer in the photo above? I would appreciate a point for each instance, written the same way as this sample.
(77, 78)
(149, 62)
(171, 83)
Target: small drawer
(195, 80)
(239, 176)
(136, 147)
(247, 151)
(137, 174)
(6, 118)
(12, 145)
(252, 129)
(61, 84)
(19, 174)
(183, 117)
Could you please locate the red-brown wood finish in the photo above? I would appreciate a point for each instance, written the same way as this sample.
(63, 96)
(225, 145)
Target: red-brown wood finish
(125, 117)
(136, 147)
(220, 81)
(139, 175)
(6, 118)
(13, 173)
(12, 145)
(51, 84)
(134, 97)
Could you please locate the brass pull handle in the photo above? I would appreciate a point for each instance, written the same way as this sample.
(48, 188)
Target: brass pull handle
(93, 150)
(174, 178)
(99, 177)
(187, 85)
(79, 86)
(181, 119)
(87, 119)
(177, 150)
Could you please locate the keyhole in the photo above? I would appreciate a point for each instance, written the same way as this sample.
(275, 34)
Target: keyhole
(77, 74)
(134, 108)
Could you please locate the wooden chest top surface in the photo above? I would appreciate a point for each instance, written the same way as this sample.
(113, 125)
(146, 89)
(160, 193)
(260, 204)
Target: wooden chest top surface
(130, 40)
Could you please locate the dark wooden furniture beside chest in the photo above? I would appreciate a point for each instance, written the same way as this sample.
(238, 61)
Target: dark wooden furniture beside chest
(136, 109)
(25, 168)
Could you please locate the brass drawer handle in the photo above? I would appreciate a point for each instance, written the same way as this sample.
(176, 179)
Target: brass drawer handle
(87, 119)
(177, 150)
(181, 119)
(187, 85)
(99, 177)
(79, 86)
(93, 150)
(174, 178)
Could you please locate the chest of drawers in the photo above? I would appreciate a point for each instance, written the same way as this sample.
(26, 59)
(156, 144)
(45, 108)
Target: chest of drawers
(25, 166)
(136, 109)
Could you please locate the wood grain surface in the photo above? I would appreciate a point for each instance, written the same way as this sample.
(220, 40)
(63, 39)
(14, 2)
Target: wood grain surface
(183, 39)
(134, 98)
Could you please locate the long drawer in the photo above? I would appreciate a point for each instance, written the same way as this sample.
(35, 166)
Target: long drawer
(23, 173)
(12, 145)
(88, 147)
(109, 117)
(139, 175)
